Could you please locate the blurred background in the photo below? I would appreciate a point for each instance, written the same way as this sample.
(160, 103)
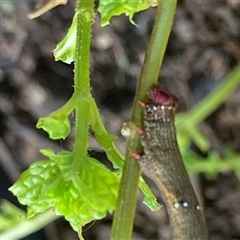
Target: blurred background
(204, 47)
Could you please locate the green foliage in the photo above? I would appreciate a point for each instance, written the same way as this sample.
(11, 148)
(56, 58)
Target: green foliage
(108, 9)
(80, 196)
(79, 187)
(56, 128)
(73, 184)
(65, 50)
(188, 132)
(213, 165)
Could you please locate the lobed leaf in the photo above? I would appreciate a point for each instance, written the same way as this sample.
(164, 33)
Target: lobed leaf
(80, 195)
(109, 8)
(56, 127)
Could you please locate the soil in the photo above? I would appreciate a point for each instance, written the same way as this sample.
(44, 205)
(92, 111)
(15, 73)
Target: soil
(203, 48)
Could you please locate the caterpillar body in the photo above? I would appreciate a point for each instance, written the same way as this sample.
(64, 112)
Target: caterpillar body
(162, 162)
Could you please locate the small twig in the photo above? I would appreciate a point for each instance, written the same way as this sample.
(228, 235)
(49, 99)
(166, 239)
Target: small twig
(45, 7)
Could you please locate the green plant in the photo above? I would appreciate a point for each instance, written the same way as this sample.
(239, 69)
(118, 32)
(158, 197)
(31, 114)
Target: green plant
(65, 182)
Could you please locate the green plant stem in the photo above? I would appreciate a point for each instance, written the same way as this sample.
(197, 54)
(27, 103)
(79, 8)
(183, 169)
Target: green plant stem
(113, 153)
(187, 123)
(126, 204)
(211, 102)
(27, 227)
(67, 108)
(85, 10)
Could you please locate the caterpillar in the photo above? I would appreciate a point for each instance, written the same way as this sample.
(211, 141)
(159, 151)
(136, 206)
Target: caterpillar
(162, 162)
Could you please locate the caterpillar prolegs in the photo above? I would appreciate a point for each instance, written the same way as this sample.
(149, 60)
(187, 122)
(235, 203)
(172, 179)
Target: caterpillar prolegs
(162, 162)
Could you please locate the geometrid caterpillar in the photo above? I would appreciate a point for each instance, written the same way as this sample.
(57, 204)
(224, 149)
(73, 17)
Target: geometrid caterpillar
(162, 162)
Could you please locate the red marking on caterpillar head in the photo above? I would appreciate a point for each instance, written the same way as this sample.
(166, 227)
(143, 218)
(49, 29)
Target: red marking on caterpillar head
(160, 96)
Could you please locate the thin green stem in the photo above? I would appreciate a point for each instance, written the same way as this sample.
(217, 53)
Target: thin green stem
(126, 204)
(187, 123)
(213, 166)
(66, 109)
(85, 10)
(211, 102)
(27, 227)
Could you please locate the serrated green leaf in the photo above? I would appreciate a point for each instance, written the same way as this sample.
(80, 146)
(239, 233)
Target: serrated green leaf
(65, 50)
(109, 8)
(80, 195)
(149, 198)
(104, 138)
(56, 127)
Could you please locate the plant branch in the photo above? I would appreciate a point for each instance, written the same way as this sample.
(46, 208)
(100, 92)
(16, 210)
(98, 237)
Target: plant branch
(27, 227)
(187, 123)
(85, 11)
(211, 102)
(125, 211)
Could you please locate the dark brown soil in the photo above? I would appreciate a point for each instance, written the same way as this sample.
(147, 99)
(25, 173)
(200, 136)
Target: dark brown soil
(204, 47)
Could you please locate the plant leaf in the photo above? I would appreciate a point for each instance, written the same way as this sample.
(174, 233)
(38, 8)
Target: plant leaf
(80, 196)
(56, 127)
(104, 138)
(65, 50)
(149, 198)
(108, 8)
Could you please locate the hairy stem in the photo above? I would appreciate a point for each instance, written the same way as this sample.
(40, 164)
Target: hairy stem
(85, 11)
